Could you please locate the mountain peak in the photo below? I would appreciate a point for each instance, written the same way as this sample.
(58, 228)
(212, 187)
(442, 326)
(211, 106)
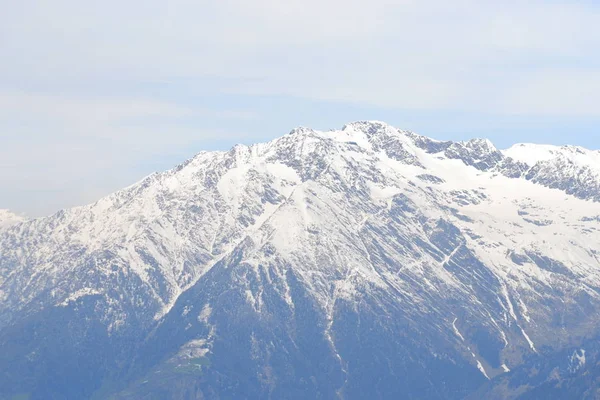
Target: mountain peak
(482, 145)
(371, 127)
(366, 252)
(533, 153)
(301, 130)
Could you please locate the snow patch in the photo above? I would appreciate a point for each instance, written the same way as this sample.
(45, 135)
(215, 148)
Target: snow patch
(531, 345)
(77, 295)
(577, 361)
(530, 153)
(480, 366)
(456, 331)
(205, 313)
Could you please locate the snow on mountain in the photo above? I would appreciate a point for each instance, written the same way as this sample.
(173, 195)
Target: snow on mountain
(531, 154)
(572, 169)
(8, 218)
(380, 245)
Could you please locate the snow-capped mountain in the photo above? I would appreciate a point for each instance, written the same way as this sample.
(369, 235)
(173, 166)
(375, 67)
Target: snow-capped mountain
(570, 168)
(354, 262)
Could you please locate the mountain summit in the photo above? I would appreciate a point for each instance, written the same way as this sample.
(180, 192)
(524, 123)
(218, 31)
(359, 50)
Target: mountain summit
(366, 261)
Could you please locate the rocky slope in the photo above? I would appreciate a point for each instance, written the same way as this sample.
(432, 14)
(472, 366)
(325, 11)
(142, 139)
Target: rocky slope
(365, 261)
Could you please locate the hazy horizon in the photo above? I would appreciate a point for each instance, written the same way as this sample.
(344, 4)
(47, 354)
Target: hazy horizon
(93, 97)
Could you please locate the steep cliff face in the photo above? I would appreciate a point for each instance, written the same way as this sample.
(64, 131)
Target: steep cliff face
(364, 261)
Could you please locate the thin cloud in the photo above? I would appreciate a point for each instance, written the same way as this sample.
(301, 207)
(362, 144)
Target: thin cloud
(78, 80)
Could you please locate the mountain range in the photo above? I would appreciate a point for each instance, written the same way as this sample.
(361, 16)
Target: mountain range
(362, 262)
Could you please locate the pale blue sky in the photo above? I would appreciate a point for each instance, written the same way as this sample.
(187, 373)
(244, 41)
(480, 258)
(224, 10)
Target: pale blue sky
(96, 95)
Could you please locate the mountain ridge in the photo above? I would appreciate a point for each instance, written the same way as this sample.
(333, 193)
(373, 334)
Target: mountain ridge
(451, 253)
(8, 218)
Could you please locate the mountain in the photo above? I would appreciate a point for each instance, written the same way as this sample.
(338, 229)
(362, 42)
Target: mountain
(366, 261)
(570, 168)
(8, 218)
